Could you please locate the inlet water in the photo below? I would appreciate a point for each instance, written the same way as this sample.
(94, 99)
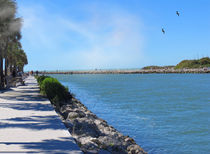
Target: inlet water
(164, 113)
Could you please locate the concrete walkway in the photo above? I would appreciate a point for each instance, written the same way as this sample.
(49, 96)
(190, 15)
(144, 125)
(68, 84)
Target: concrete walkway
(29, 124)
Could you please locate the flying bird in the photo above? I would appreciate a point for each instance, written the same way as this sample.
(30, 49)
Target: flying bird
(163, 31)
(177, 12)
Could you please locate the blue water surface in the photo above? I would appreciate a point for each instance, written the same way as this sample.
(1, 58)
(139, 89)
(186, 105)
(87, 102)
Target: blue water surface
(164, 113)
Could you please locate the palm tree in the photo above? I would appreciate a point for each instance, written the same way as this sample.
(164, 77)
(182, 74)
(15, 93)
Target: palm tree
(7, 14)
(17, 58)
(10, 48)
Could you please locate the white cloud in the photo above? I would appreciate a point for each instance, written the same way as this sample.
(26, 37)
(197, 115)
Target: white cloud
(105, 39)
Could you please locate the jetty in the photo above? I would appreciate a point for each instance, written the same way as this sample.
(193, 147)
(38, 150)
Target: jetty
(131, 71)
(29, 123)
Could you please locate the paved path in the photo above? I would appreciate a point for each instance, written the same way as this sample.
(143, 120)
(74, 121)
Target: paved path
(29, 124)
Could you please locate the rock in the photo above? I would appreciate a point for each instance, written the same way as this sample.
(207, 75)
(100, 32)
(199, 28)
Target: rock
(135, 149)
(85, 127)
(93, 134)
(90, 148)
(73, 115)
(95, 140)
(108, 141)
(128, 139)
(81, 114)
(76, 114)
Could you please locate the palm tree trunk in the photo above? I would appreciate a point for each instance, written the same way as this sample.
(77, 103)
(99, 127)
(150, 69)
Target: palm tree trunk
(15, 71)
(1, 73)
(6, 61)
(5, 70)
(10, 69)
(6, 67)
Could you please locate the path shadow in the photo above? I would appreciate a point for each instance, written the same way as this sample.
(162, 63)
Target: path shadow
(62, 145)
(25, 91)
(25, 87)
(25, 98)
(30, 101)
(5, 90)
(34, 123)
(28, 106)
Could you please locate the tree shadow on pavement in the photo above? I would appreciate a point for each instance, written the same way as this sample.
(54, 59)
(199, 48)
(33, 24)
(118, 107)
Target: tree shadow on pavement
(25, 97)
(34, 122)
(28, 106)
(62, 145)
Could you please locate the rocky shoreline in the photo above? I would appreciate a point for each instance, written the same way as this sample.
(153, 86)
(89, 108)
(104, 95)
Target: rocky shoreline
(94, 135)
(137, 71)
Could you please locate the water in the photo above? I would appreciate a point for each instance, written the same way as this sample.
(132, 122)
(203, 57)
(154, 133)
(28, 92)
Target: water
(164, 113)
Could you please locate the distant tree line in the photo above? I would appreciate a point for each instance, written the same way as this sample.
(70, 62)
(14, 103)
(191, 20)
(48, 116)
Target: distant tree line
(12, 56)
(196, 63)
(200, 63)
(157, 67)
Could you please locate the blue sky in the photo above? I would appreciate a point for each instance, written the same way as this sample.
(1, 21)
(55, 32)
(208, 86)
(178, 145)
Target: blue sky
(105, 34)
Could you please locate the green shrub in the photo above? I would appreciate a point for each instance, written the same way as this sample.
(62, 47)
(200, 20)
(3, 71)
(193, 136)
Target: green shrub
(200, 63)
(158, 67)
(205, 61)
(41, 78)
(55, 91)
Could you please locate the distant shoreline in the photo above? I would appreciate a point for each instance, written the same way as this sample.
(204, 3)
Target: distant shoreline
(137, 71)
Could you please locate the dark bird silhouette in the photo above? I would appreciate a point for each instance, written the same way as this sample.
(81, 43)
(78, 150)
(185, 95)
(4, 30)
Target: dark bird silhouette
(177, 12)
(163, 31)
